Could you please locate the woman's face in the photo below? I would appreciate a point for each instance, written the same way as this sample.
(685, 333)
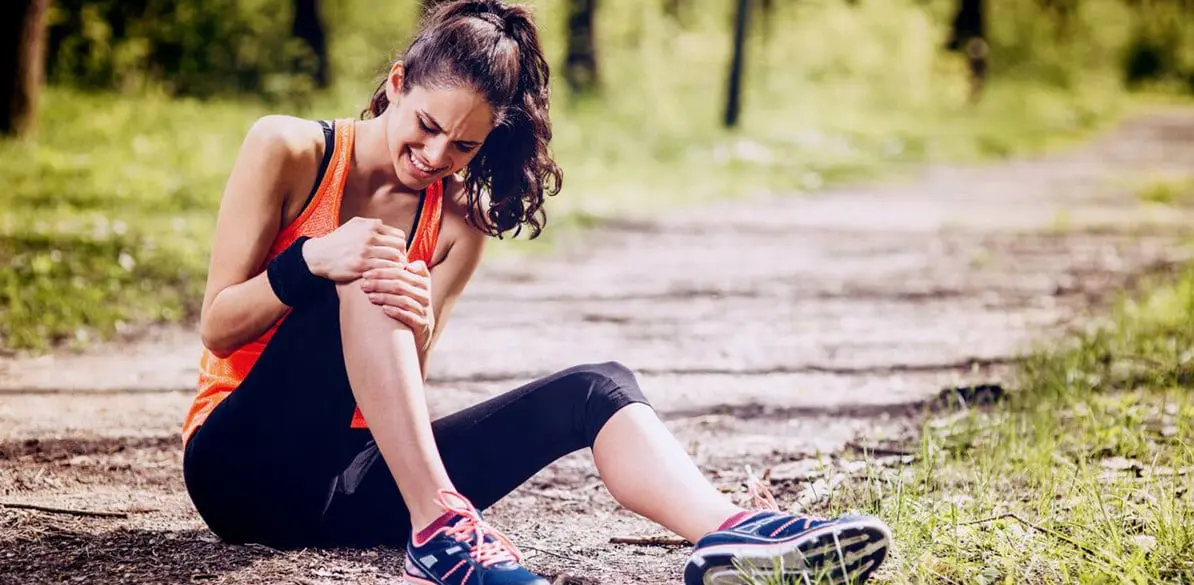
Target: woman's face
(432, 133)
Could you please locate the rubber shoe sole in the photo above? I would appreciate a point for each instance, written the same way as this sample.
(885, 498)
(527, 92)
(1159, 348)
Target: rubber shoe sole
(842, 553)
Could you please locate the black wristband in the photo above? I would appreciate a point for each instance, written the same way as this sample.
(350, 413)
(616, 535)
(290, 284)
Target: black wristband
(291, 278)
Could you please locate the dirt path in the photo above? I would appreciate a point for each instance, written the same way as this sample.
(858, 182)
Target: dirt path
(767, 332)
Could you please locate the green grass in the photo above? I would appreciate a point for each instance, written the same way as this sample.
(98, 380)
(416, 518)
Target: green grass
(1172, 191)
(1084, 475)
(108, 213)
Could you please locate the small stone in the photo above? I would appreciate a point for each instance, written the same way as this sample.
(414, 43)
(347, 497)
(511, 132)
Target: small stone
(1120, 464)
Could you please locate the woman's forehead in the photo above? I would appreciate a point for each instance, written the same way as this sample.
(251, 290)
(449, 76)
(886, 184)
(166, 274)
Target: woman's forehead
(456, 110)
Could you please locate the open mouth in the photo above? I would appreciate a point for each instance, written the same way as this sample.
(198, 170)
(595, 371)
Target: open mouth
(422, 166)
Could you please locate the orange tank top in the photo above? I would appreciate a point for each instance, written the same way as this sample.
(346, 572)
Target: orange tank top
(220, 376)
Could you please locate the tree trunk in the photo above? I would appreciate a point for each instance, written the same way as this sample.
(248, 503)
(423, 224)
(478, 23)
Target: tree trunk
(580, 65)
(767, 16)
(969, 37)
(308, 26)
(22, 63)
(734, 95)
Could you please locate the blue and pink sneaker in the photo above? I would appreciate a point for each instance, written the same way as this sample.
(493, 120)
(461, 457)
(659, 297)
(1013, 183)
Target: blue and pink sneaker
(770, 546)
(461, 549)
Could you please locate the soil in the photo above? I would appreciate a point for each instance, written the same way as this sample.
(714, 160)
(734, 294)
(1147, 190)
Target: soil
(776, 332)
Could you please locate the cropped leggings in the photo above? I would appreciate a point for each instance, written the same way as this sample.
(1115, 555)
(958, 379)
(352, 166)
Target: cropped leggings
(276, 462)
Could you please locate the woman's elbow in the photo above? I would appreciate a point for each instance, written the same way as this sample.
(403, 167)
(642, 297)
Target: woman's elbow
(215, 340)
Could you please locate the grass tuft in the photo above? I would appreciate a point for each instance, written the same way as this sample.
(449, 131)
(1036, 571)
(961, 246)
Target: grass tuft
(1083, 475)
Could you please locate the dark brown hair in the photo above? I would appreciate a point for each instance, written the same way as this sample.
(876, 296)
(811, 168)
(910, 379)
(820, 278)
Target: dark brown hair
(493, 48)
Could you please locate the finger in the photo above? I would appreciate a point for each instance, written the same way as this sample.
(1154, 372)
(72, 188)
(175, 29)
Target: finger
(385, 253)
(418, 267)
(396, 287)
(384, 265)
(412, 320)
(396, 271)
(397, 301)
(392, 232)
(391, 241)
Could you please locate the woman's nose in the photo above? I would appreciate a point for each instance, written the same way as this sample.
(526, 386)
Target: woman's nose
(436, 152)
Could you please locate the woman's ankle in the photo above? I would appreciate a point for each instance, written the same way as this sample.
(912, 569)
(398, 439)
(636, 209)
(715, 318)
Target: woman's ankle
(422, 531)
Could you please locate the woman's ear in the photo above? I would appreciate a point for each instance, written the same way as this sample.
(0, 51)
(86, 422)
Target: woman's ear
(394, 81)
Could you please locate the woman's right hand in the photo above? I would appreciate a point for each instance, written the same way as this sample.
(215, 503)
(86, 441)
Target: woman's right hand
(358, 245)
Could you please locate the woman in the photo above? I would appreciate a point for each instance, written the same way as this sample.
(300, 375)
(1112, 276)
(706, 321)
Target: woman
(340, 249)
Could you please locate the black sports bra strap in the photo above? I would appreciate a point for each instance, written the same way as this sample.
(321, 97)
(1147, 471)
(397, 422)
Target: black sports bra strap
(329, 145)
(414, 228)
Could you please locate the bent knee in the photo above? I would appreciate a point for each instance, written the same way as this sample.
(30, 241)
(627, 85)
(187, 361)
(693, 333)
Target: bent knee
(606, 379)
(599, 391)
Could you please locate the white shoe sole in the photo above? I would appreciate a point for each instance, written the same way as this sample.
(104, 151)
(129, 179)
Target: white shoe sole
(842, 553)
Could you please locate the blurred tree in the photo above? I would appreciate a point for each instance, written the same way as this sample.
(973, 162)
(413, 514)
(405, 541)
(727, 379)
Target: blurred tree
(968, 35)
(308, 26)
(1161, 48)
(675, 9)
(580, 64)
(766, 14)
(734, 92)
(22, 61)
(1061, 11)
(200, 48)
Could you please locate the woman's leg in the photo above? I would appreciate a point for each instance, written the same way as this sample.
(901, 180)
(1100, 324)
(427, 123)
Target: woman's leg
(489, 449)
(266, 463)
(649, 472)
(262, 466)
(387, 381)
(493, 447)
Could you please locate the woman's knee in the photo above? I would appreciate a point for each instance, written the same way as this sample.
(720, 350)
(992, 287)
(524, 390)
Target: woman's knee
(600, 391)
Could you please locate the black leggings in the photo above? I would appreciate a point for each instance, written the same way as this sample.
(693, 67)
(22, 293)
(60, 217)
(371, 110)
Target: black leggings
(276, 463)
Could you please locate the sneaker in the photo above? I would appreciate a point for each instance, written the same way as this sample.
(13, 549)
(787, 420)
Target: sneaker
(770, 546)
(461, 549)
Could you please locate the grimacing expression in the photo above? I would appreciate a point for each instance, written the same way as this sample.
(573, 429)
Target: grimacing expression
(433, 132)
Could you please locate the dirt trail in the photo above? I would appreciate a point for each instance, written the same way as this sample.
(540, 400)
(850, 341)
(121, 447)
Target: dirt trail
(766, 331)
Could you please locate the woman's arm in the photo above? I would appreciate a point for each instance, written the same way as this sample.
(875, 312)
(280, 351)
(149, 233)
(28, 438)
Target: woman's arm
(238, 302)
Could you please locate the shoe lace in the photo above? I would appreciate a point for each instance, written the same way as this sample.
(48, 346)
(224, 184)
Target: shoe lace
(759, 492)
(474, 530)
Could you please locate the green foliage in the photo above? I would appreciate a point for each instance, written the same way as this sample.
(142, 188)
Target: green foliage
(1082, 476)
(1171, 191)
(817, 111)
(106, 220)
(187, 47)
(1161, 49)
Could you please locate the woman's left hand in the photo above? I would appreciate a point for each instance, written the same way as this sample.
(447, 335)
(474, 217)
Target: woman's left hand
(404, 293)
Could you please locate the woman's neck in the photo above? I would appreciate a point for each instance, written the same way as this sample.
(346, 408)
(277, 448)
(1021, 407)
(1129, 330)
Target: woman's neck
(373, 169)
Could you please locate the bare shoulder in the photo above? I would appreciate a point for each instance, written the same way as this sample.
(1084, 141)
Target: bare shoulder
(292, 139)
(286, 151)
